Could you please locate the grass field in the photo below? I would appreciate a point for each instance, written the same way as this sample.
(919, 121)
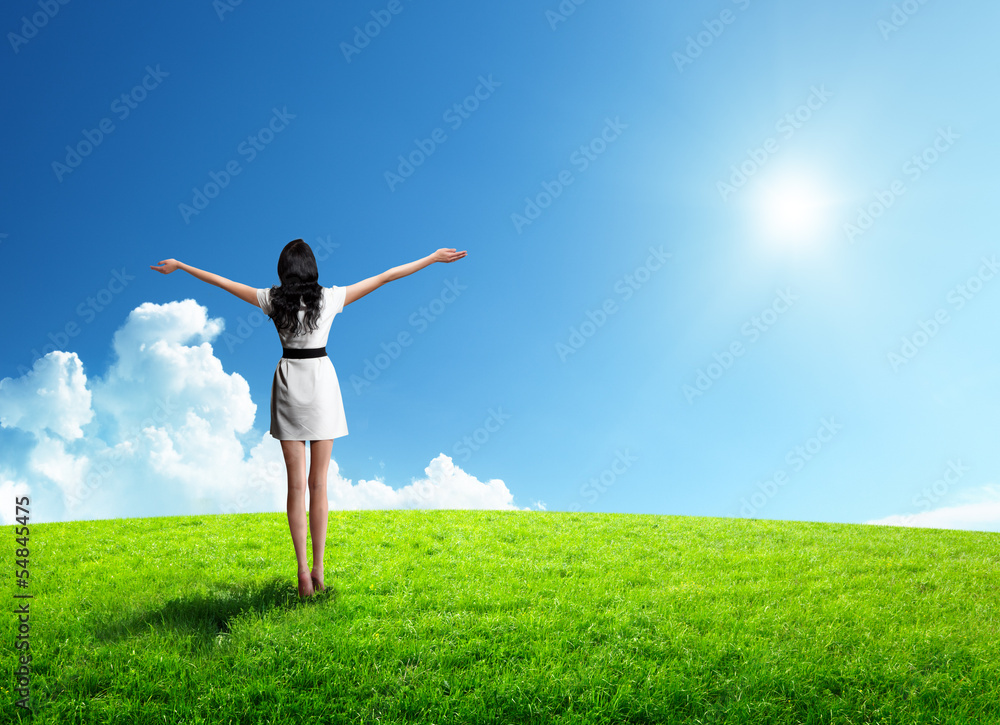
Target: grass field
(510, 617)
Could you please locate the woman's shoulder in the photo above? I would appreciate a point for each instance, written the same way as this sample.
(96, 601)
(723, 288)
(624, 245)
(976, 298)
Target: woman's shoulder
(338, 294)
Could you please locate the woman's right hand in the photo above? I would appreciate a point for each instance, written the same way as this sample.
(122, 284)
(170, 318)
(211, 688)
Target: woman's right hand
(447, 255)
(166, 266)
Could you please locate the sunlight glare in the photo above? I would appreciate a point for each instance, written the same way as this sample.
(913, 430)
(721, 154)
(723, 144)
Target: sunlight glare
(792, 209)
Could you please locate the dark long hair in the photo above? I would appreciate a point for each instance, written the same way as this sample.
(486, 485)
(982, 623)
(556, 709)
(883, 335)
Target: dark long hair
(299, 286)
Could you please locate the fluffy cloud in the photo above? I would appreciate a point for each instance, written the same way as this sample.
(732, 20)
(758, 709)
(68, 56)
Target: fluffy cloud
(980, 511)
(53, 395)
(160, 434)
(165, 368)
(10, 490)
(445, 486)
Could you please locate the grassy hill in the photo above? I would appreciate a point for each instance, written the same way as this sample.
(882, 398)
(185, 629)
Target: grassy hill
(510, 617)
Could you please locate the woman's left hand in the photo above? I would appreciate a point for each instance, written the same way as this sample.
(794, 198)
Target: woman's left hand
(166, 266)
(447, 255)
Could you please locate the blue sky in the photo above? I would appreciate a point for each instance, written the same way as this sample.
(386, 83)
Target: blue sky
(737, 216)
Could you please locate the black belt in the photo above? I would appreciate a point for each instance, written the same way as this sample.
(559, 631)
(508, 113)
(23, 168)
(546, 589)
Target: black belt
(303, 352)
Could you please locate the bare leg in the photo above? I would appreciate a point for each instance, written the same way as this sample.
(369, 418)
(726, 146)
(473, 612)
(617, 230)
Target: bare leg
(319, 463)
(295, 463)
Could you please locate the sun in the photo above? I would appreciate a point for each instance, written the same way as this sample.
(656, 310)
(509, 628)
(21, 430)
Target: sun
(792, 208)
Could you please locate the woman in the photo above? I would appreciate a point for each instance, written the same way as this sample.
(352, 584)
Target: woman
(306, 403)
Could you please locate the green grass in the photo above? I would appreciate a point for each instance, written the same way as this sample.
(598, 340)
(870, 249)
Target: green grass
(510, 617)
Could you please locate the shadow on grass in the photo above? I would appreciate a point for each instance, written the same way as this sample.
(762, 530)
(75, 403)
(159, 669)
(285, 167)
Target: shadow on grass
(210, 616)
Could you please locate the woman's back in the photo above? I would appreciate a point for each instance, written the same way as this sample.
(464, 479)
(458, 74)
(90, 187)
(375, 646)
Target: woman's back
(332, 304)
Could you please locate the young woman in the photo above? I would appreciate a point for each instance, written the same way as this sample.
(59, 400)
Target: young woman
(306, 403)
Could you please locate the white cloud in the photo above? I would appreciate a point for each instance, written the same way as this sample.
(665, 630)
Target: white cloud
(165, 364)
(980, 511)
(50, 459)
(52, 395)
(11, 489)
(445, 486)
(160, 434)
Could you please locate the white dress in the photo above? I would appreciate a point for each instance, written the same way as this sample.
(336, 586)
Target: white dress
(306, 404)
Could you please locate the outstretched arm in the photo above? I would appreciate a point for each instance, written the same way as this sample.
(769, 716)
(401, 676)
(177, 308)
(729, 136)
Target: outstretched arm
(243, 291)
(360, 289)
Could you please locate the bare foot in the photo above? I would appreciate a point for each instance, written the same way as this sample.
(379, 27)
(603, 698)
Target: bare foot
(306, 588)
(317, 581)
